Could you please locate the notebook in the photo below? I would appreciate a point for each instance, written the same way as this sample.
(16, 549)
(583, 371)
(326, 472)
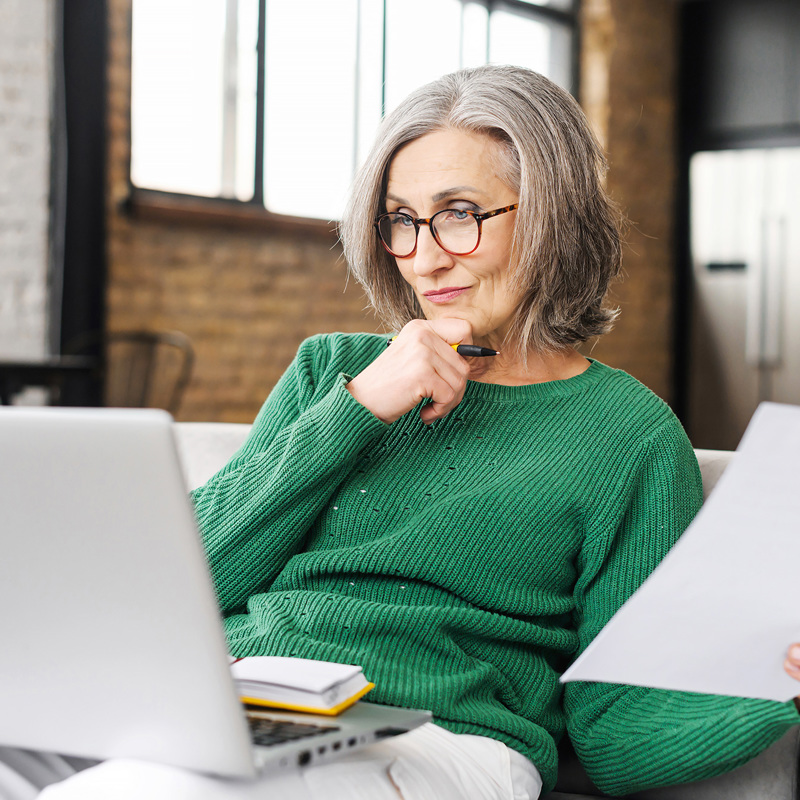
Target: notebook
(106, 596)
(299, 684)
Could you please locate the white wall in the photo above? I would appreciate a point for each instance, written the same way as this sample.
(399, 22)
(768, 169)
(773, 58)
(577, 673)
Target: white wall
(26, 39)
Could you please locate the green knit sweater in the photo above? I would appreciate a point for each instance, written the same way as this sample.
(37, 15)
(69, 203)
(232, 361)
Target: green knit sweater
(464, 564)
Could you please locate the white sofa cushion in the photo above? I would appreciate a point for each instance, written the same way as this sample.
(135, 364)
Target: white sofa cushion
(205, 447)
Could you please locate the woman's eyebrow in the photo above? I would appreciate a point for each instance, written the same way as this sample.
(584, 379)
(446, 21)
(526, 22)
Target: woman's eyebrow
(439, 196)
(455, 190)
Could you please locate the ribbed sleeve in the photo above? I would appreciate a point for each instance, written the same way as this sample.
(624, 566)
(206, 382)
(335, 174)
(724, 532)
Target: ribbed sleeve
(464, 564)
(255, 512)
(631, 738)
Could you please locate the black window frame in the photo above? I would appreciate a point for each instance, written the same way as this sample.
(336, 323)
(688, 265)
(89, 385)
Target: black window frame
(176, 207)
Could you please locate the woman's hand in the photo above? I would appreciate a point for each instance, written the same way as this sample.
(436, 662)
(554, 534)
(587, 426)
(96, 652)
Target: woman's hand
(792, 667)
(420, 363)
(792, 663)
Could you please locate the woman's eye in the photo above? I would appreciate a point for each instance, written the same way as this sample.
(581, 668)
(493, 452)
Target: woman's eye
(456, 214)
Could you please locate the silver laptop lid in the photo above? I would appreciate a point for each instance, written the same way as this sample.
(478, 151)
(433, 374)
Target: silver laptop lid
(98, 540)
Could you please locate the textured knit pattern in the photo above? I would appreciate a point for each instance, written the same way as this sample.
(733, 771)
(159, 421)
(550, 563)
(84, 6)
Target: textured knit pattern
(464, 564)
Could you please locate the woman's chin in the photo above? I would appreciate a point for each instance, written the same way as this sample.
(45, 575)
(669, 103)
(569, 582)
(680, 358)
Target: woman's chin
(481, 330)
(449, 312)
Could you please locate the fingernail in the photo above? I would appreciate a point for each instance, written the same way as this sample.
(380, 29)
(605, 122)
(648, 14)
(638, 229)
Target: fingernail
(794, 652)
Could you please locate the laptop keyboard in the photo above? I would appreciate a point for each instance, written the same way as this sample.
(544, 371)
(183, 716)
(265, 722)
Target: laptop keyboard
(268, 732)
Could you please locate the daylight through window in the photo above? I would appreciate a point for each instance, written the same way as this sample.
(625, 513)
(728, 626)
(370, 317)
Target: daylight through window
(330, 70)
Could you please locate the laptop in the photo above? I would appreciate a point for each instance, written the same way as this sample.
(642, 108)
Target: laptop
(112, 642)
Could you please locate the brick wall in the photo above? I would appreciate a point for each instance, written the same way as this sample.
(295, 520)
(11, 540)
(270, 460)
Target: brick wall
(25, 54)
(247, 299)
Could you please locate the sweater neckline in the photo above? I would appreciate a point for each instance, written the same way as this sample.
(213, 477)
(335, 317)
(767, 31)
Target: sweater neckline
(496, 392)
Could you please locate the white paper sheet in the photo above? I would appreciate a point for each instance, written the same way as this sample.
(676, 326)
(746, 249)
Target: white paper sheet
(296, 673)
(718, 613)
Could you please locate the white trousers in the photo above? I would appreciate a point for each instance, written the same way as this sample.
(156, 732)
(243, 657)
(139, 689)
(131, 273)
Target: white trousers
(429, 763)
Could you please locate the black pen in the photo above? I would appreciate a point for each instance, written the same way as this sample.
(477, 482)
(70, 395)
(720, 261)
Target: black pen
(468, 350)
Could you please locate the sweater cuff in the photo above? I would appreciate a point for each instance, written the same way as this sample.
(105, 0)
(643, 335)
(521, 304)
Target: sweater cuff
(341, 420)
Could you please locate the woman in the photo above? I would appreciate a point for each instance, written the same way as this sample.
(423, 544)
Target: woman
(462, 527)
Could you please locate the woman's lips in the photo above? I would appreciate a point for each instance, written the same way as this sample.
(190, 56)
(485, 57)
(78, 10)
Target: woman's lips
(445, 295)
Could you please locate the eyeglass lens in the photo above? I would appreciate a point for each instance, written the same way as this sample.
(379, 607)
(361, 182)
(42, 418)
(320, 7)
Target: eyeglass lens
(457, 231)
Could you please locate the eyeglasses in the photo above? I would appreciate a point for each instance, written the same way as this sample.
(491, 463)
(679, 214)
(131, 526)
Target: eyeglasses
(456, 230)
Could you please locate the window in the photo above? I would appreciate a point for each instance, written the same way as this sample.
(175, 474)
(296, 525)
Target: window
(275, 102)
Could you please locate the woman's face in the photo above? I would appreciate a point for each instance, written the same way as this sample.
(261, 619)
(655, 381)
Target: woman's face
(457, 169)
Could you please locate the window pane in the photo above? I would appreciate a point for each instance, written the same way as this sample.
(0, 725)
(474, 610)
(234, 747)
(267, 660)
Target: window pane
(370, 77)
(311, 49)
(561, 5)
(422, 43)
(247, 68)
(177, 96)
(527, 42)
(475, 24)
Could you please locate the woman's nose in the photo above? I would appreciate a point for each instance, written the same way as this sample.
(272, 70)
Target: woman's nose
(429, 257)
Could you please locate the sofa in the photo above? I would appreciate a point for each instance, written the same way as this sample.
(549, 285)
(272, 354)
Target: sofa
(205, 446)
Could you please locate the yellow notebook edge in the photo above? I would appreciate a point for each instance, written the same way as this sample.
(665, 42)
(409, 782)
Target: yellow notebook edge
(328, 712)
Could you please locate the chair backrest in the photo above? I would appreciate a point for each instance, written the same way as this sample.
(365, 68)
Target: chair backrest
(141, 369)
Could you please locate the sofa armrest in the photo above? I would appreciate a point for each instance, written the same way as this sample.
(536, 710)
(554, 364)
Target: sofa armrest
(712, 465)
(205, 447)
(772, 775)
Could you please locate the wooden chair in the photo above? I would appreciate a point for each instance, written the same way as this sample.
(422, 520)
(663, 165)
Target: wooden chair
(139, 369)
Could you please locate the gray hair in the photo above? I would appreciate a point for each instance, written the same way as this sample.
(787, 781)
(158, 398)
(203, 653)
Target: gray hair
(566, 246)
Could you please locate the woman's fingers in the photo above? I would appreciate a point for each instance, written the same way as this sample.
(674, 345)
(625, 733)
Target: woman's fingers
(419, 364)
(449, 329)
(445, 376)
(792, 667)
(792, 662)
(445, 395)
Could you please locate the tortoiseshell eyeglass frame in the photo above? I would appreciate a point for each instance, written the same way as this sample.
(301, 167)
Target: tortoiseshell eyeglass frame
(478, 217)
